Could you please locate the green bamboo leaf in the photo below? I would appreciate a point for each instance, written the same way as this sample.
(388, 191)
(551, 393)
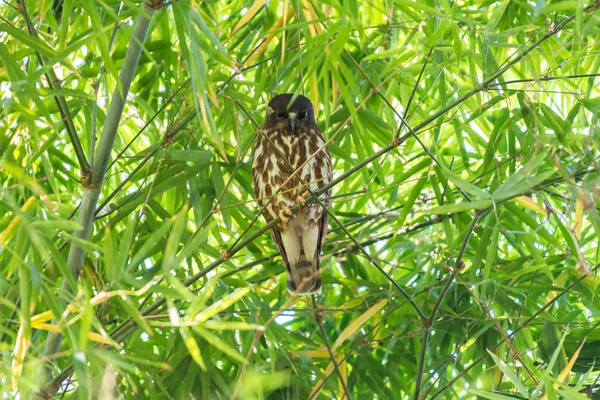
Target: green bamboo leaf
(220, 305)
(217, 343)
(219, 185)
(64, 225)
(151, 242)
(192, 346)
(466, 186)
(488, 395)
(112, 273)
(88, 245)
(496, 15)
(552, 120)
(385, 54)
(125, 245)
(189, 155)
(510, 374)
(549, 388)
(195, 244)
(225, 325)
(507, 192)
(28, 40)
(102, 43)
(199, 20)
(135, 315)
(460, 207)
(174, 240)
(592, 105)
(567, 393)
(410, 200)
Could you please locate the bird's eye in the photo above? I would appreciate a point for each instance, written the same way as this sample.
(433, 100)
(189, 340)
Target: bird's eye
(302, 114)
(281, 114)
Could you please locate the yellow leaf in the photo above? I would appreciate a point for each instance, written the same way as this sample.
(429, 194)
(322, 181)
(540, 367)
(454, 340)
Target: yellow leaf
(212, 96)
(14, 223)
(192, 346)
(98, 338)
(269, 36)
(220, 305)
(314, 92)
(344, 372)
(527, 202)
(346, 333)
(42, 317)
(312, 353)
(357, 323)
(567, 370)
(93, 336)
(311, 15)
(247, 17)
(308, 15)
(21, 347)
(465, 346)
(46, 327)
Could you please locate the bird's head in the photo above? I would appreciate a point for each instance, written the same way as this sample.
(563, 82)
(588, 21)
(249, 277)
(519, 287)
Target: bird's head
(293, 115)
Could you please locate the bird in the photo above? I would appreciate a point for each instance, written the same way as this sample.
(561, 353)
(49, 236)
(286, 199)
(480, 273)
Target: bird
(290, 161)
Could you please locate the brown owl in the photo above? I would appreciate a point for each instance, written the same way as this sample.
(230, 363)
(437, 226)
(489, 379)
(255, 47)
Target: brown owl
(290, 157)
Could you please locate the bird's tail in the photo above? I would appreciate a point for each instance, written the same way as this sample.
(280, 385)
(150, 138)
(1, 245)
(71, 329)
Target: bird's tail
(305, 276)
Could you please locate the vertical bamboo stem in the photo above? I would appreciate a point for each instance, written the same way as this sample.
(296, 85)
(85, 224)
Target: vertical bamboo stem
(109, 132)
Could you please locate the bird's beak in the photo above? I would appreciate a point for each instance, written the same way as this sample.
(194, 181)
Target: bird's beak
(291, 121)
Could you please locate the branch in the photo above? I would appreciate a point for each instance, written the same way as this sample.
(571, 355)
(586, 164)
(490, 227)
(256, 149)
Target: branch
(429, 321)
(319, 321)
(54, 83)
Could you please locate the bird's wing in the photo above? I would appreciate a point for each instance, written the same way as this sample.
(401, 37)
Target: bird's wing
(276, 235)
(322, 233)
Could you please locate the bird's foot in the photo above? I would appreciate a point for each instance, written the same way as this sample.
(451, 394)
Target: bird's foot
(285, 214)
(302, 198)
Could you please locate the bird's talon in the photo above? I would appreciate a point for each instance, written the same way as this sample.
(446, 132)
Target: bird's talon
(285, 214)
(302, 198)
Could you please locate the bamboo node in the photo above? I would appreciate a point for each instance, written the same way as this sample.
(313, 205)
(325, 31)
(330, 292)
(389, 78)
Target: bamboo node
(86, 178)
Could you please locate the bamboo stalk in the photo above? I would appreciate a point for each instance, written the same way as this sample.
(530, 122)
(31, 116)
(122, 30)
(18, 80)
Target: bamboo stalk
(92, 192)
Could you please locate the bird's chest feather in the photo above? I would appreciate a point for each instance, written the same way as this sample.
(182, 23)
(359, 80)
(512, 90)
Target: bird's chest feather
(286, 165)
(283, 154)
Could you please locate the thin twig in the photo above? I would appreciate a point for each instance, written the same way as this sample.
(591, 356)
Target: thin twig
(486, 310)
(54, 83)
(517, 330)
(319, 321)
(428, 322)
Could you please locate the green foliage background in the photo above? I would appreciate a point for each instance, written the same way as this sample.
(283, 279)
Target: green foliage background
(481, 209)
